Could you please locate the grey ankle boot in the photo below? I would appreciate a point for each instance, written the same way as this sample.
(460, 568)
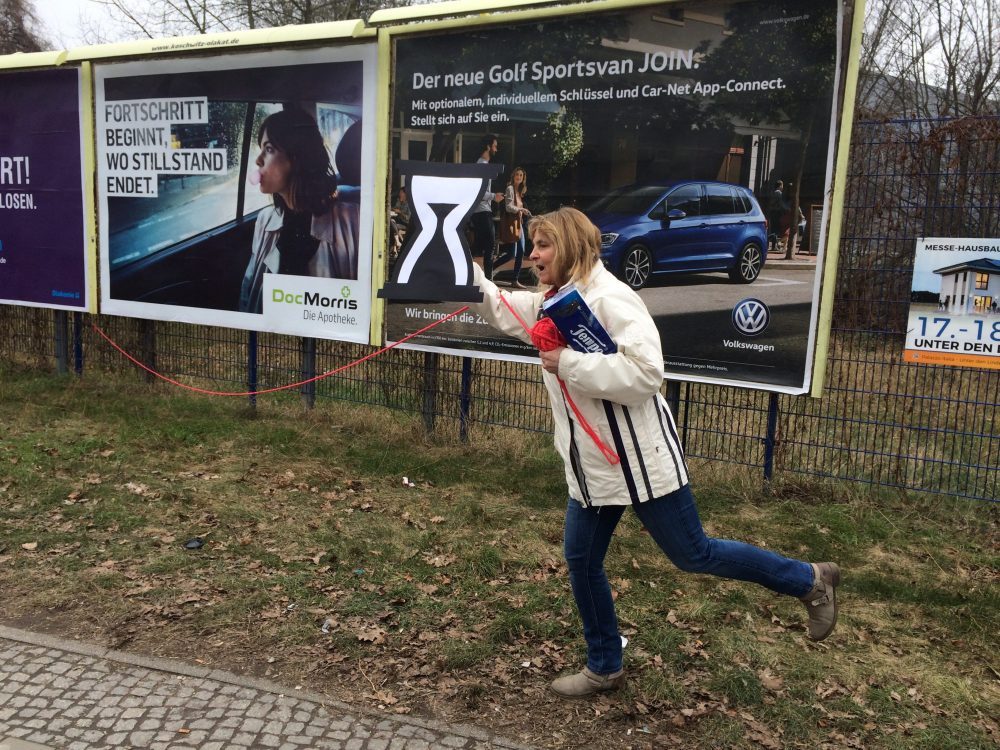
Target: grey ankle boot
(821, 601)
(587, 683)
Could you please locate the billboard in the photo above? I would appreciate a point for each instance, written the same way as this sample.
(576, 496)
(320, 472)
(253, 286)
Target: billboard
(955, 303)
(44, 258)
(688, 132)
(236, 190)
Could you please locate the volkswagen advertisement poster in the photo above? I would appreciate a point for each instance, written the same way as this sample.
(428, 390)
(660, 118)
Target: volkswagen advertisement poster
(690, 133)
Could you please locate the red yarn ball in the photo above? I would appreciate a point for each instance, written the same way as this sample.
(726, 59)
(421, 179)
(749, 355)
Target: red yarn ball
(545, 336)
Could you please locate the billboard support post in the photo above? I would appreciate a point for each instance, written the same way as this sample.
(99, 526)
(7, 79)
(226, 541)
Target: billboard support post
(770, 440)
(78, 343)
(429, 404)
(465, 399)
(62, 341)
(147, 333)
(252, 367)
(309, 371)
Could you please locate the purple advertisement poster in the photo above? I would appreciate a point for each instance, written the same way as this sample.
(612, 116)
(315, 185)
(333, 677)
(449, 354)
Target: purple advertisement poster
(43, 252)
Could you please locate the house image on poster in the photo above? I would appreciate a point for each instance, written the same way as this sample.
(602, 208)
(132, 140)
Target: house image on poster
(970, 288)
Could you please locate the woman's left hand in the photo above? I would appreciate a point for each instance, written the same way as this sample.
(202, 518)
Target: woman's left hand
(550, 359)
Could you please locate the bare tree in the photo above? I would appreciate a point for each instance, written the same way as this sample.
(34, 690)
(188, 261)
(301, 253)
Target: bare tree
(163, 18)
(166, 18)
(931, 58)
(969, 69)
(19, 28)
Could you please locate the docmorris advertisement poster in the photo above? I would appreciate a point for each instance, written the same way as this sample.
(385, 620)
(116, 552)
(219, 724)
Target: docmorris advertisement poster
(236, 190)
(955, 303)
(43, 248)
(687, 132)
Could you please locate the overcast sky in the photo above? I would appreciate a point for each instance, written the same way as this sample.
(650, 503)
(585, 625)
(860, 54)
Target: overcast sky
(68, 21)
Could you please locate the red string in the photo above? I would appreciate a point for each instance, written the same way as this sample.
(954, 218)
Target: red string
(546, 337)
(280, 387)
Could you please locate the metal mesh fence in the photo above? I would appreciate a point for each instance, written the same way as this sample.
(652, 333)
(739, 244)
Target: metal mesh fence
(881, 421)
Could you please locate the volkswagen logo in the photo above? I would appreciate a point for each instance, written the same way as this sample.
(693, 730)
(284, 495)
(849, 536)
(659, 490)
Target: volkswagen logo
(751, 316)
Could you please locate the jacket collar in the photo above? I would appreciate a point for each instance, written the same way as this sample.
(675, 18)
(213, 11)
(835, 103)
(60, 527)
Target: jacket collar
(321, 228)
(272, 218)
(595, 273)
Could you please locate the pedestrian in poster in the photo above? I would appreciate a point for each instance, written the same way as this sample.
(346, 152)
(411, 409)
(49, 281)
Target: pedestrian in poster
(619, 395)
(399, 220)
(482, 214)
(308, 230)
(775, 213)
(401, 208)
(512, 224)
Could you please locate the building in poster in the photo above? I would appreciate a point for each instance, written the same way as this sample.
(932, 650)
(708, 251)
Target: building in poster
(672, 126)
(45, 260)
(955, 303)
(236, 189)
(971, 287)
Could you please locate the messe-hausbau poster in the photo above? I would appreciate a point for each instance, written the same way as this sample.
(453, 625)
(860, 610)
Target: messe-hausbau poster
(670, 125)
(955, 303)
(235, 190)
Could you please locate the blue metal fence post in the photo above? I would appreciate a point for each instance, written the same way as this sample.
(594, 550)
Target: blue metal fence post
(770, 440)
(252, 367)
(429, 406)
(147, 329)
(62, 341)
(465, 400)
(674, 402)
(309, 371)
(78, 343)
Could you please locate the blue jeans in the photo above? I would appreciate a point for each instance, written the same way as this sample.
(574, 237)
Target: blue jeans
(672, 521)
(514, 250)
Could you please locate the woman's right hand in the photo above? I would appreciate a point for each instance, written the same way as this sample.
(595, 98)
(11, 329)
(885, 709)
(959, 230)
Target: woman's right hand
(550, 359)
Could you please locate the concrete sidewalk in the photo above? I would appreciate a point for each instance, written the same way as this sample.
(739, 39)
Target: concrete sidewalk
(56, 693)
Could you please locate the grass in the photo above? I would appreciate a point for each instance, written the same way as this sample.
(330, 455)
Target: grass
(450, 598)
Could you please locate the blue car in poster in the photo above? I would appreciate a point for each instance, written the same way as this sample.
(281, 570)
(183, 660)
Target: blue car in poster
(686, 226)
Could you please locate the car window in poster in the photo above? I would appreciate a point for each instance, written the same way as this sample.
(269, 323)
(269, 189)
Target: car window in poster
(237, 190)
(955, 303)
(43, 250)
(686, 131)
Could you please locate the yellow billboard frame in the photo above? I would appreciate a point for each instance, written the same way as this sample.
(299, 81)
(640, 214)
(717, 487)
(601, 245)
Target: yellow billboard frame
(836, 219)
(214, 43)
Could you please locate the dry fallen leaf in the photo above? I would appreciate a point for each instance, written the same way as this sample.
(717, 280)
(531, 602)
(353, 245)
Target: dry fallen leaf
(770, 681)
(30, 546)
(440, 561)
(371, 635)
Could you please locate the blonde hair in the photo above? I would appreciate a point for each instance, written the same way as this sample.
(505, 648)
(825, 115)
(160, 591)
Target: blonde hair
(575, 240)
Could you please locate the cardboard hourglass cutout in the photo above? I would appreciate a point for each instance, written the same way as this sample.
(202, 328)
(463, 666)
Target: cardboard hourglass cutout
(435, 264)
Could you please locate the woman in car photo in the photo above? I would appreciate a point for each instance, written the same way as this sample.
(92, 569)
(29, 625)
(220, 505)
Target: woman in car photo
(604, 403)
(308, 230)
